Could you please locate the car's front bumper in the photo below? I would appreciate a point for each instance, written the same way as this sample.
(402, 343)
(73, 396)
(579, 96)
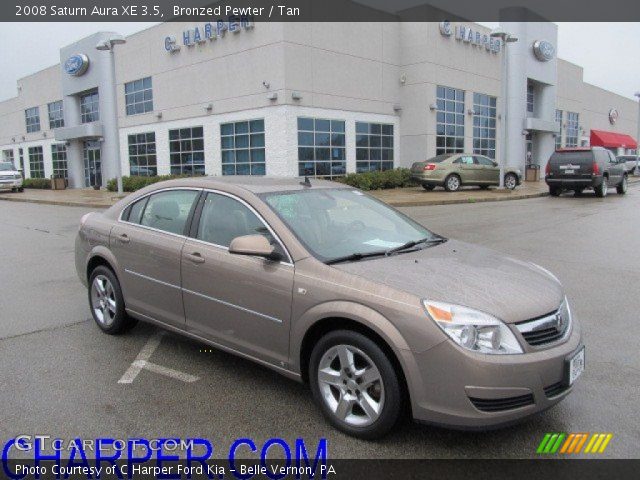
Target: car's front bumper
(446, 378)
(10, 184)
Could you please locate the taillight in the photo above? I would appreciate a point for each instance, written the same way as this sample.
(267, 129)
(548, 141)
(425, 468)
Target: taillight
(596, 168)
(429, 166)
(547, 169)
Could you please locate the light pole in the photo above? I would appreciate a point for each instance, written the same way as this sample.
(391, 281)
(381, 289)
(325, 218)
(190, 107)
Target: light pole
(637, 170)
(505, 38)
(112, 123)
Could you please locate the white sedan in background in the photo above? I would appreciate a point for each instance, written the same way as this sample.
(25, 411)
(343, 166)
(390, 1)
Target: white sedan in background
(10, 178)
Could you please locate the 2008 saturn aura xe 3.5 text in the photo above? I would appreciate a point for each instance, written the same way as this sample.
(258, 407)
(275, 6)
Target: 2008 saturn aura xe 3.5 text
(326, 285)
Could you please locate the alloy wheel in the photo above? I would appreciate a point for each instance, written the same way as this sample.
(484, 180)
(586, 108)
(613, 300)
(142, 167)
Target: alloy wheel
(453, 183)
(351, 385)
(103, 300)
(510, 182)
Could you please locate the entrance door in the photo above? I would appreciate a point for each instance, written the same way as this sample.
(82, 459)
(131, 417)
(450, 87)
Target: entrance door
(92, 164)
(528, 159)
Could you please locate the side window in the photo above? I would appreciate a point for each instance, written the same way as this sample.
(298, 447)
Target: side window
(224, 218)
(466, 160)
(483, 161)
(135, 211)
(168, 211)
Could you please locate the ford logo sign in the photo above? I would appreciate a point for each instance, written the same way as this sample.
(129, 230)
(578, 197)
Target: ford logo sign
(543, 50)
(76, 64)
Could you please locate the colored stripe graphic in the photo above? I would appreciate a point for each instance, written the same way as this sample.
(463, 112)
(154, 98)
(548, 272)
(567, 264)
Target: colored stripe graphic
(573, 443)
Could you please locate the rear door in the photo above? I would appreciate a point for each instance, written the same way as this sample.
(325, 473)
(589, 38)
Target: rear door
(616, 169)
(147, 241)
(470, 171)
(239, 301)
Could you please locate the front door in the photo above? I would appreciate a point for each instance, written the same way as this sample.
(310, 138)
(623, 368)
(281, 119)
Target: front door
(490, 170)
(238, 301)
(92, 164)
(470, 172)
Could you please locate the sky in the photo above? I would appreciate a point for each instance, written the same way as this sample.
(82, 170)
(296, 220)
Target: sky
(608, 51)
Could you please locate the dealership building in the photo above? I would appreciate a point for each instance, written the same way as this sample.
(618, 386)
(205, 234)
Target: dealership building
(233, 97)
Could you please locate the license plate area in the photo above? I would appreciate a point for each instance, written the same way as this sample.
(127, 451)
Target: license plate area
(574, 366)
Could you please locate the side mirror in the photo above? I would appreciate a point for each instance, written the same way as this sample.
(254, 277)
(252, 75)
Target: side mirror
(495, 164)
(254, 246)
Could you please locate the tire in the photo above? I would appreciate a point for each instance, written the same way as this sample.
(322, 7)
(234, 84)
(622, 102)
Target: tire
(452, 183)
(382, 399)
(578, 192)
(428, 187)
(107, 303)
(601, 190)
(555, 191)
(622, 187)
(510, 181)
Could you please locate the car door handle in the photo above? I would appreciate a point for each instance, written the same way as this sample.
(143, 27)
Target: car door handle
(195, 257)
(124, 238)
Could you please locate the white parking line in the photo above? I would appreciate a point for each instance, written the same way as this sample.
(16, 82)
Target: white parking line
(142, 362)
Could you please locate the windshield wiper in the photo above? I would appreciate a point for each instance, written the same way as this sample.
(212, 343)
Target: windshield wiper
(355, 256)
(413, 243)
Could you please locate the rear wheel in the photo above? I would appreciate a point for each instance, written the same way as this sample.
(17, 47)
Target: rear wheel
(428, 187)
(555, 191)
(452, 183)
(355, 384)
(107, 303)
(510, 181)
(622, 187)
(601, 190)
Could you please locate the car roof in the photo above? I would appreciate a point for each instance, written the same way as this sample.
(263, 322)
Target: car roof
(254, 184)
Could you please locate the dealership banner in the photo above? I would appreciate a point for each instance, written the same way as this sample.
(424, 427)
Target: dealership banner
(320, 11)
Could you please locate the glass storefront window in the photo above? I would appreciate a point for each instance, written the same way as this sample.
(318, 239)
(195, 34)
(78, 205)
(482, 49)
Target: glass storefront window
(142, 154)
(138, 96)
(449, 120)
(321, 147)
(559, 134)
(59, 160)
(36, 162)
(56, 117)
(186, 151)
(573, 123)
(484, 125)
(374, 147)
(32, 119)
(90, 107)
(243, 148)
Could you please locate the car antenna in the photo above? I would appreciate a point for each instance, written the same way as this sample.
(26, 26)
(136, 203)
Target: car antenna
(306, 182)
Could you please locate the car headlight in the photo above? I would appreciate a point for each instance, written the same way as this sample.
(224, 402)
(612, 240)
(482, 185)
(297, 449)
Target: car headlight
(473, 330)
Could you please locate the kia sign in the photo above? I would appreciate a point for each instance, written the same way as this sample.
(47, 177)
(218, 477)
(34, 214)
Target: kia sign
(76, 64)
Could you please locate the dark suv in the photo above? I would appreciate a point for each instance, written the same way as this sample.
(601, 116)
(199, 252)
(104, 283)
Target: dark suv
(580, 168)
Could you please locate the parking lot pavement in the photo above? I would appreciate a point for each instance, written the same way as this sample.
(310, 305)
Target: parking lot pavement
(61, 375)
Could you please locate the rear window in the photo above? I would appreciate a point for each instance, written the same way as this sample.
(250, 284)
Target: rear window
(440, 158)
(585, 156)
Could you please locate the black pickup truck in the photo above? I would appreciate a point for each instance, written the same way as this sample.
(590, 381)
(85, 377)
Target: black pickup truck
(578, 169)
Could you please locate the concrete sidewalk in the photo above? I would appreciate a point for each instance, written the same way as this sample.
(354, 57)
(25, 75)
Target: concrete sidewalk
(399, 197)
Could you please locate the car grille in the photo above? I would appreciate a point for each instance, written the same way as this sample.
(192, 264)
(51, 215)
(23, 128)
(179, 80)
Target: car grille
(544, 330)
(555, 389)
(501, 404)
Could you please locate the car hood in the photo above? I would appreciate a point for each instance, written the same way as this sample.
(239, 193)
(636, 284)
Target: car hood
(469, 275)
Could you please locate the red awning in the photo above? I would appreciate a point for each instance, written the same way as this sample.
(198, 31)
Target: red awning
(600, 138)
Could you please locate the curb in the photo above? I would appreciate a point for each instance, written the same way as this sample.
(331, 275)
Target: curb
(55, 202)
(424, 203)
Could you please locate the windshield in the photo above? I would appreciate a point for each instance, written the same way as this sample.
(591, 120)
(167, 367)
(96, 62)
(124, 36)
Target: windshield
(440, 158)
(335, 223)
(6, 167)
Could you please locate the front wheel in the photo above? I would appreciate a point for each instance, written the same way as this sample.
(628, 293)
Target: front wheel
(601, 190)
(622, 187)
(107, 303)
(452, 183)
(510, 181)
(355, 384)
